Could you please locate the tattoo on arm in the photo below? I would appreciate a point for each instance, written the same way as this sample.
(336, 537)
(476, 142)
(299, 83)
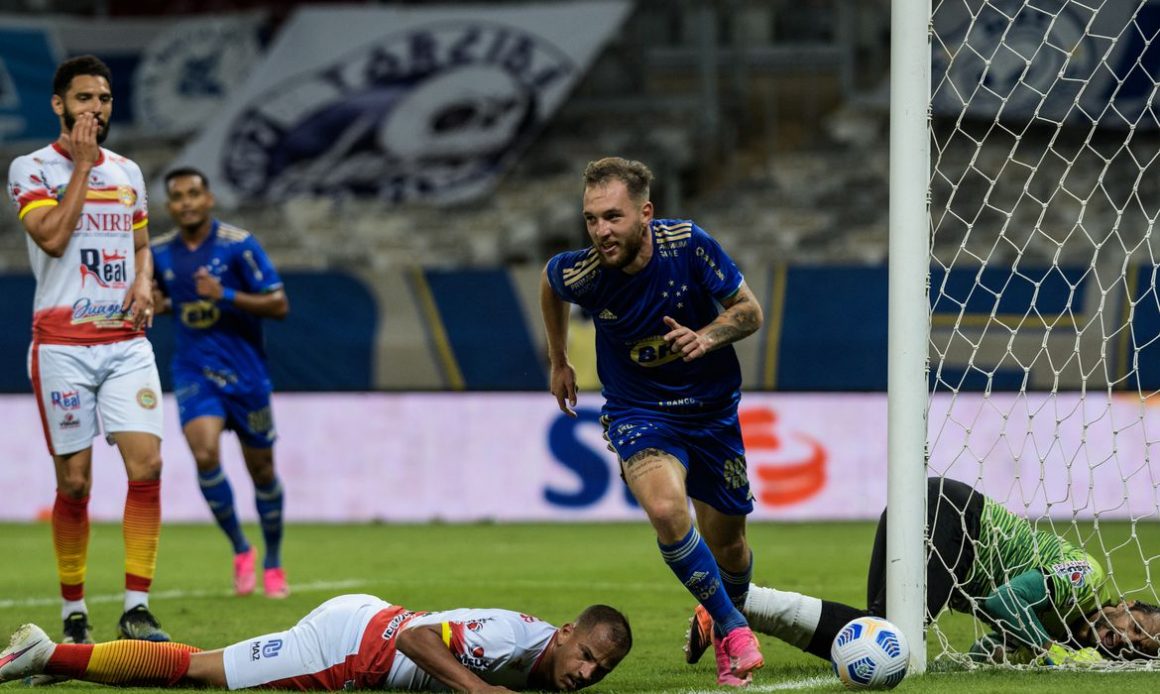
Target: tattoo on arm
(738, 320)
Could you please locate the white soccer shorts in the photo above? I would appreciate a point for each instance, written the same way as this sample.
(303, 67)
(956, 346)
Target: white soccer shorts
(75, 383)
(323, 639)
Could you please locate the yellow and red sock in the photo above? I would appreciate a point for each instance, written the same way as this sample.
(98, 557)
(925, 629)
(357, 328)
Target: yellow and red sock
(141, 528)
(70, 539)
(126, 662)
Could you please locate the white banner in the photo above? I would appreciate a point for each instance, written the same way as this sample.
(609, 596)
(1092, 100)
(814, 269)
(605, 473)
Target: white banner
(1019, 61)
(188, 71)
(515, 457)
(417, 103)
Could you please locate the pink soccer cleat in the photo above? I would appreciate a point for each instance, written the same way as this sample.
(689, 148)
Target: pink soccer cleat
(244, 579)
(743, 651)
(274, 581)
(725, 676)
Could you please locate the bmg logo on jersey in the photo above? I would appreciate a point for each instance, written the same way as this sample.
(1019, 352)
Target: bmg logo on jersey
(66, 399)
(652, 351)
(108, 269)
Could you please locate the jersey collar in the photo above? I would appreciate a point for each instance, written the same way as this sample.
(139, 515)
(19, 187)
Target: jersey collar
(64, 153)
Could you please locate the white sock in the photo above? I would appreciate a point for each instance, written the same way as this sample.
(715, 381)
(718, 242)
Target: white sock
(791, 617)
(69, 606)
(134, 598)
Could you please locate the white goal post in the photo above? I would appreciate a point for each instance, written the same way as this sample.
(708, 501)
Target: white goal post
(909, 327)
(1024, 311)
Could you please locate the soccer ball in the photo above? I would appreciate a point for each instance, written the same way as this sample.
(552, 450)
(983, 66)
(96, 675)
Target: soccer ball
(870, 653)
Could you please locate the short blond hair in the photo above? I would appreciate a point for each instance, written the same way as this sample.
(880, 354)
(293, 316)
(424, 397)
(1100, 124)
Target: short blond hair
(635, 175)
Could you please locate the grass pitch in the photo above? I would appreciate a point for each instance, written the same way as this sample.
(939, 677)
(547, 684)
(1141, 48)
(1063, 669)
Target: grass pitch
(550, 570)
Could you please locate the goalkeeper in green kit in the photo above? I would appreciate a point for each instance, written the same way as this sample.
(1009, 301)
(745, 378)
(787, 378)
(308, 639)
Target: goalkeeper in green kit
(1046, 600)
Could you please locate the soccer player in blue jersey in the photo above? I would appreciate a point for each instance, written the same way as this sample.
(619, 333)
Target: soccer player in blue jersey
(668, 303)
(220, 284)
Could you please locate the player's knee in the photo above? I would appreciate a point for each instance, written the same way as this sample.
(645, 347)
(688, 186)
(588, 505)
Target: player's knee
(144, 467)
(733, 551)
(75, 485)
(206, 457)
(670, 519)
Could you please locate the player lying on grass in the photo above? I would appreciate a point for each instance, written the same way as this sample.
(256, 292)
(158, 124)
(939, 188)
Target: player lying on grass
(354, 642)
(1043, 597)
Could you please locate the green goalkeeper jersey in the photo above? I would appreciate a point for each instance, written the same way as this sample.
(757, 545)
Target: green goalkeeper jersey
(1024, 576)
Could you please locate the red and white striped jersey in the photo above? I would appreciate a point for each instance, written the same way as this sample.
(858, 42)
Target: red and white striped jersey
(79, 295)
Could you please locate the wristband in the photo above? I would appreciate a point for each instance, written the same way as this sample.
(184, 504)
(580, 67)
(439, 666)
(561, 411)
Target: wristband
(228, 295)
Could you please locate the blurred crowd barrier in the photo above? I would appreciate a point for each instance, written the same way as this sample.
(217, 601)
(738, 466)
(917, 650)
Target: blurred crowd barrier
(825, 330)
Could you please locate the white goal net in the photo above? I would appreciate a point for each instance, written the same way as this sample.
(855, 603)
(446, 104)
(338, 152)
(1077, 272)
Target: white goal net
(1045, 319)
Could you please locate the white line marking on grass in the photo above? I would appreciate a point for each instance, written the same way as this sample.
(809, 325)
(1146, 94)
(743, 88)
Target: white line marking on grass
(776, 686)
(315, 587)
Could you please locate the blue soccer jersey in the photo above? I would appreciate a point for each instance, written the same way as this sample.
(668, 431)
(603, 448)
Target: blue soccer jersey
(215, 339)
(687, 276)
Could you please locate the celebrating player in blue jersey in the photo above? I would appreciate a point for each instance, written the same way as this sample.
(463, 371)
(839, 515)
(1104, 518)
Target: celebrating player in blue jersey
(671, 384)
(219, 283)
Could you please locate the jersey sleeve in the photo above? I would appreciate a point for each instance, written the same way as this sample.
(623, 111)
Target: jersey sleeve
(486, 644)
(1076, 583)
(258, 273)
(141, 207)
(572, 272)
(26, 186)
(160, 265)
(713, 267)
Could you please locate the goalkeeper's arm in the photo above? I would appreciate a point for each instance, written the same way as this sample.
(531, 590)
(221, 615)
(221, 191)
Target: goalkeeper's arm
(1012, 609)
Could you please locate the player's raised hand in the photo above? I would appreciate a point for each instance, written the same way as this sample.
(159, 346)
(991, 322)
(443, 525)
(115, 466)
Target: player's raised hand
(83, 147)
(208, 286)
(685, 341)
(563, 386)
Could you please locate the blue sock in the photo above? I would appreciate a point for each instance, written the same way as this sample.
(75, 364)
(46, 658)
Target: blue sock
(737, 584)
(269, 502)
(218, 493)
(695, 567)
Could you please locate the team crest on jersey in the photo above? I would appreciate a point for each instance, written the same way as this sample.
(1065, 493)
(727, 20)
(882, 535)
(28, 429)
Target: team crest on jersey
(126, 195)
(1074, 571)
(433, 113)
(146, 398)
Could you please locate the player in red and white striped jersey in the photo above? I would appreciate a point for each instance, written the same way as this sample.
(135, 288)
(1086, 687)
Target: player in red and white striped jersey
(85, 211)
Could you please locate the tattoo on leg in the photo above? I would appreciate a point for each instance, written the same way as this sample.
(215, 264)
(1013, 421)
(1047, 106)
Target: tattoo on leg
(641, 455)
(642, 463)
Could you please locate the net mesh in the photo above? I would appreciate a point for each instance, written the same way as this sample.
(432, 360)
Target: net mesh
(1045, 319)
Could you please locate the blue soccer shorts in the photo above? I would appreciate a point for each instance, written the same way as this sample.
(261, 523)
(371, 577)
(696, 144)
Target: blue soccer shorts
(710, 448)
(245, 411)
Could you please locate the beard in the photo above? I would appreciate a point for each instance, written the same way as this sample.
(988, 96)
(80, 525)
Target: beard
(630, 249)
(102, 131)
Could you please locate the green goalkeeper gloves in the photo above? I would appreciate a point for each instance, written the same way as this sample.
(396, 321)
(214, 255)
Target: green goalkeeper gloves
(1059, 654)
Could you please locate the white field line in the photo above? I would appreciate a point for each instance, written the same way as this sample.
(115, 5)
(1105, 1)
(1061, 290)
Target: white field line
(315, 587)
(776, 686)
